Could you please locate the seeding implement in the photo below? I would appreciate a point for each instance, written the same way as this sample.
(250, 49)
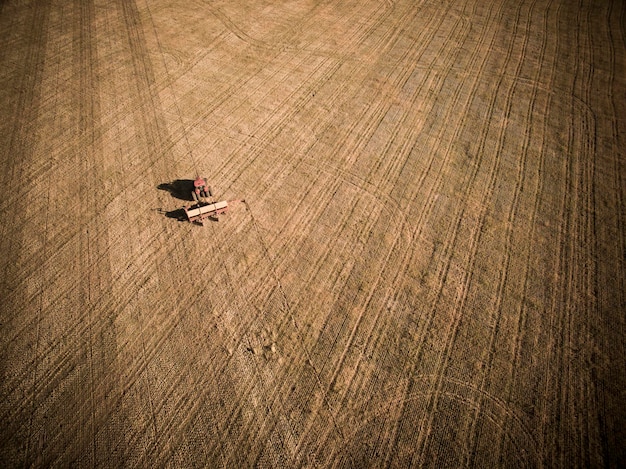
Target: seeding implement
(204, 206)
(200, 211)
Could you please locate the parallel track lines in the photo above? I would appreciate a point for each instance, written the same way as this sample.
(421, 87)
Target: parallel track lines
(306, 96)
(511, 219)
(222, 171)
(235, 172)
(368, 307)
(348, 150)
(560, 309)
(475, 85)
(331, 72)
(312, 215)
(394, 283)
(396, 435)
(239, 152)
(613, 347)
(587, 254)
(19, 150)
(351, 338)
(85, 59)
(461, 296)
(404, 224)
(143, 96)
(408, 141)
(171, 89)
(378, 326)
(22, 142)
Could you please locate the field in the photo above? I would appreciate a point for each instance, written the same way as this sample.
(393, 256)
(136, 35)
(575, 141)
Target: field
(425, 266)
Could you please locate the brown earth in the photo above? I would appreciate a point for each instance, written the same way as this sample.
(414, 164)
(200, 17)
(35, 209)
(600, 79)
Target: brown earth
(428, 269)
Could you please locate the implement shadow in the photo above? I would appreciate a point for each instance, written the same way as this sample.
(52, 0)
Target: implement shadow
(178, 214)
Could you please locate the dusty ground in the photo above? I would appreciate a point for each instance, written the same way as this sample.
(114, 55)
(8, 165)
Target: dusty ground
(428, 270)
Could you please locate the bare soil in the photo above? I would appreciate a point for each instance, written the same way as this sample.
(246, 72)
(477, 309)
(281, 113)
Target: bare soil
(428, 269)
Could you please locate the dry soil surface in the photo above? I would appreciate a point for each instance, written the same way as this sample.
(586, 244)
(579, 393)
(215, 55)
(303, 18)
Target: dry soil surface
(428, 268)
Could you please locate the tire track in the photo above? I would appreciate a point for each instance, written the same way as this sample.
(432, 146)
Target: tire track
(286, 46)
(344, 395)
(348, 148)
(238, 151)
(306, 99)
(461, 296)
(403, 223)
(368, 305)
(429, 206)
(584, 253)
(330, 191)
(408, 140)
(611, 281)
(403, 263)
(151, 122)
(22, 142)
(560, 307)
(86, 63)
(150, 115)
(395, 433)
(543, 164)
(510, 223)
(572, 244)
(19, 151)
(497, 413)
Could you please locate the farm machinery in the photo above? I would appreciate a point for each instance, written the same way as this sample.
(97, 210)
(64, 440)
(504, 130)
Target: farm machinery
(201, 190)
(204, 206)
(199, 212)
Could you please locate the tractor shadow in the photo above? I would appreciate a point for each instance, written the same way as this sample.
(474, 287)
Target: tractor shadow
(179, 189)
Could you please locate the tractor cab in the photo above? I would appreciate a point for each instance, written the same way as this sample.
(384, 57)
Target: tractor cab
(201, 190)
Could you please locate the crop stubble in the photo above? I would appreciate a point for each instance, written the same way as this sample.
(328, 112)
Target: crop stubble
(428, 268)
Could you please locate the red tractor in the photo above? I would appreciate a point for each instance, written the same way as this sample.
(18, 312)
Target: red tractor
(205, 207)
(201, 190)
